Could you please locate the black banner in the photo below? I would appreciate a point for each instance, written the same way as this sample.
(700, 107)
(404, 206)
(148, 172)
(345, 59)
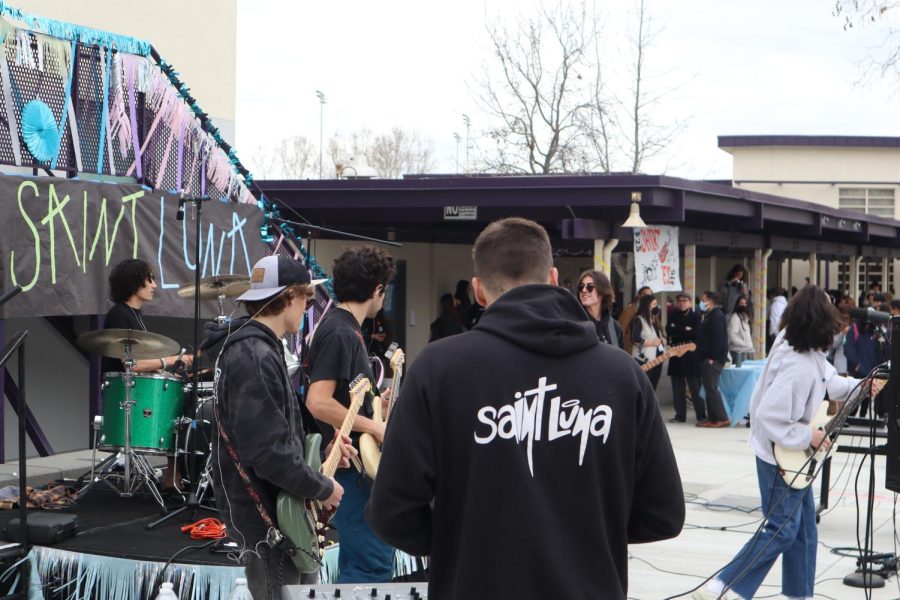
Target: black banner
(60, 238)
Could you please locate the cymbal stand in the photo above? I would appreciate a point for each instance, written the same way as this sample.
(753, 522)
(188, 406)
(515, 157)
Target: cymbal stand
(221, 298)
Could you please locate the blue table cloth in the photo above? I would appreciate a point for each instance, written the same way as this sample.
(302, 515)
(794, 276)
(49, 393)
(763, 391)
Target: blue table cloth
(736, 386)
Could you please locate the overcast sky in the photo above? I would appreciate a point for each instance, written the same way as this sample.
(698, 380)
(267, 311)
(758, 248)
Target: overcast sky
(735, 67)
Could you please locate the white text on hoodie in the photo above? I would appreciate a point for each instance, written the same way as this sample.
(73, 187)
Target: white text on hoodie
(523, 420)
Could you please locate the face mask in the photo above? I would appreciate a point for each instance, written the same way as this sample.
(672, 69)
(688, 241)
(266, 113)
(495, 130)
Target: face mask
(655, 310)
(702, 306)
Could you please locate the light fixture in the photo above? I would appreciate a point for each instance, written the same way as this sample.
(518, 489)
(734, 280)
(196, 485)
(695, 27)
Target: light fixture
(634, 219)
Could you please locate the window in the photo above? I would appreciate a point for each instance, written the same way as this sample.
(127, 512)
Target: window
(870, 201)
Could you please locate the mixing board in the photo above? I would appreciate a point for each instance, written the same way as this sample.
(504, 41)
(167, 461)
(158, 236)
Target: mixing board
(357, 591)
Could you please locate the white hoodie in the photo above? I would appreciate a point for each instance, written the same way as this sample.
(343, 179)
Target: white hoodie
(787, 396)
(776, 309)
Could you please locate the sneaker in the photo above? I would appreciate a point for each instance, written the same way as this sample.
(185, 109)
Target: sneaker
(676, 420)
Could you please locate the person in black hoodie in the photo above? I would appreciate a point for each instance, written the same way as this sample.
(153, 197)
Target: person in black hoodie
(259, 447)
(596, 296)
(532, 480)
(712, 350)
(684, 328)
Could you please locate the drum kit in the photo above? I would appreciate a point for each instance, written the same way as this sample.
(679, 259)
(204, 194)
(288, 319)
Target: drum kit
(144, 413)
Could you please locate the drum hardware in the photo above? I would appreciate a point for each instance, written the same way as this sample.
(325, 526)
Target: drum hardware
(217, 287)
(128, 346)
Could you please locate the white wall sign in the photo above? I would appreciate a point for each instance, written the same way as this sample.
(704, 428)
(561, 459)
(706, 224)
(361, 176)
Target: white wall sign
(656, 258)
(460, 213)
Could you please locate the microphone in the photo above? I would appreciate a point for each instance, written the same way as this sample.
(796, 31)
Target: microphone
(870, 314)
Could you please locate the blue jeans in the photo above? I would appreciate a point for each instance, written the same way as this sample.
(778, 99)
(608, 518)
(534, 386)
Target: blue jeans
(790, 531)
(363, 558)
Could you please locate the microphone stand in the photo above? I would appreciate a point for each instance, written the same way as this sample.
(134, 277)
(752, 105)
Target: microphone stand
(193, 500)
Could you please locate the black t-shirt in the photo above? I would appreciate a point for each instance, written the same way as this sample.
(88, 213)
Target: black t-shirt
(121, 316)
(338, 353)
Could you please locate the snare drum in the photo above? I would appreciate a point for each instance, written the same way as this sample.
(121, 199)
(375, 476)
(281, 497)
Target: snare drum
(158, 403)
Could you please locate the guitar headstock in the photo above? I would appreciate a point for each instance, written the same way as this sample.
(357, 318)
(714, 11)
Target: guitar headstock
(358, 388)
(397, 359)
(683, 349)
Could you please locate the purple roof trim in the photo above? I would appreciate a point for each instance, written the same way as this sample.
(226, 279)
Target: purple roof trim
(545, 190)
(835, 141)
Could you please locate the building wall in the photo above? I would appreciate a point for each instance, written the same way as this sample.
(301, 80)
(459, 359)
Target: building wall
(816, 174)
(198, 38)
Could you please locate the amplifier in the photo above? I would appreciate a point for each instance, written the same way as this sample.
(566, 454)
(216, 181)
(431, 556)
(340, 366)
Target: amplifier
(356, 591)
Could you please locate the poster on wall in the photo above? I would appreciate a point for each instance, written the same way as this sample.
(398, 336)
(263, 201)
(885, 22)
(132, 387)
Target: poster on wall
(60, 238)
(656, 258)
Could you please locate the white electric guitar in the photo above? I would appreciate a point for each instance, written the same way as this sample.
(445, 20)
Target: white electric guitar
(369, 449)
(798, 468)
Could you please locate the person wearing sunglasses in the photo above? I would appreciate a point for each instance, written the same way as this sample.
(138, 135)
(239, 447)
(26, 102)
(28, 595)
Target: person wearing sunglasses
(596, 296)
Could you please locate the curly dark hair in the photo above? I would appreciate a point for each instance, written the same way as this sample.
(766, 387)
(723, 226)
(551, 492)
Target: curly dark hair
(127, 278)
(359, 270)
(811, 320)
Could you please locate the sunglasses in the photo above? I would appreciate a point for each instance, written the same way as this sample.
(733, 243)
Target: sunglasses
(590, 287)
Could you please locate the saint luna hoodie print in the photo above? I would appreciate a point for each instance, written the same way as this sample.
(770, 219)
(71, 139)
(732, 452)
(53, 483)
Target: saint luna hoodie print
(543, 452)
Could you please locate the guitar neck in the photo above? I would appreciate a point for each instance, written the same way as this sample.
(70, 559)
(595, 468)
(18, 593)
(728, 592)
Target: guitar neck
(334, 457)
(846, 408)
(395, 385)
(656, 361)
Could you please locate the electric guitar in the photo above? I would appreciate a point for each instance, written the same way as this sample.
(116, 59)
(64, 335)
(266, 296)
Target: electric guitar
(369, 450)
(798, 467)
(303, 521)
(676, 351)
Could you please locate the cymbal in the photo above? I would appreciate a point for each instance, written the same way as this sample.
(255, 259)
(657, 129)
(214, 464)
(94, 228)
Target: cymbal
(230, 286)
(112, 342)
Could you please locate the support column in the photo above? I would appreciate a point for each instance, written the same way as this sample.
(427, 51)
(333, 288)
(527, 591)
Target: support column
(790, 275)
(760, 301)
(690, 271)
(813, 269)
(603, 255)
(885, 274)
(854, 277)
(712, 273)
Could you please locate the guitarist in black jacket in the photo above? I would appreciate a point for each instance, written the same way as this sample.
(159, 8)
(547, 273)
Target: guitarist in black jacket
(259, 447)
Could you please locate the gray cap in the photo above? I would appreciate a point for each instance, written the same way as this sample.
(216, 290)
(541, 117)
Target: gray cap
(271, 274)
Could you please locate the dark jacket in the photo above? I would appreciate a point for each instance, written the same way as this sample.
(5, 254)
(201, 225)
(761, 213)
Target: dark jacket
(684, 328)
(713, 340)
(506, 461)
(603, 331)
(445, 326)
(260, 413)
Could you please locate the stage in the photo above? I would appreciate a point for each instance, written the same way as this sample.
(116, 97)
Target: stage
(717, 469)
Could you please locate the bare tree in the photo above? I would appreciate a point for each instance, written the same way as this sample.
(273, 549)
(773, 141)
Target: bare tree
(536, 92)
(647, 136)
(297, 157)
(886, 59)
(262, 163)
(545, 86)
(399, 152)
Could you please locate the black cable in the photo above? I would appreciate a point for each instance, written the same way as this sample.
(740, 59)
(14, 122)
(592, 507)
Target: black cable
(157, 581)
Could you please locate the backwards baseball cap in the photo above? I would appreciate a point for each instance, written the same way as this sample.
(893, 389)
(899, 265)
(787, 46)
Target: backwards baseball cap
(271, 274)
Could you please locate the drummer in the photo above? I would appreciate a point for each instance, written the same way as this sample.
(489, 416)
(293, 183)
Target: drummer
(131, 285)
